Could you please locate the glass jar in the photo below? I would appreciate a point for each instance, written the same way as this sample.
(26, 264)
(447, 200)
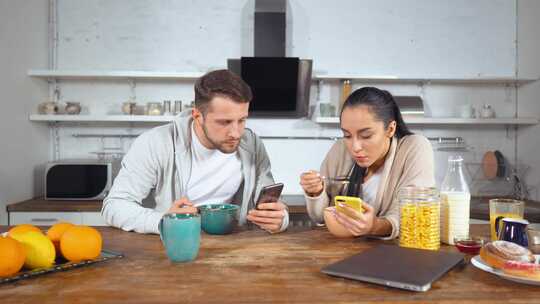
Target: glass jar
(153, 108)
(419, 224)
(177, 107)
(167, 107)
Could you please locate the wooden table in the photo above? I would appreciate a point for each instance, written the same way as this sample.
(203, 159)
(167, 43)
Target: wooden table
(249, 266)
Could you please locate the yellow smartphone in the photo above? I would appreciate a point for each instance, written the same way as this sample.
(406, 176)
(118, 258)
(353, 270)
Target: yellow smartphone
(351, 201)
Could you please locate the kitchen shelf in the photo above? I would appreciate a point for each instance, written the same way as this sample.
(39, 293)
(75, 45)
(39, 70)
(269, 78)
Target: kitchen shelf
(100, 118)
(450, 121)
(97, 74)
(397, 79)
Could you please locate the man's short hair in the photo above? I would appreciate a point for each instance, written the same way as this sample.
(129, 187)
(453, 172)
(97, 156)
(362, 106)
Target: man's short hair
(222, 83)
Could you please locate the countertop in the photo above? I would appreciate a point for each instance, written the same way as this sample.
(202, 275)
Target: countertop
(479, 207)
(249, 266)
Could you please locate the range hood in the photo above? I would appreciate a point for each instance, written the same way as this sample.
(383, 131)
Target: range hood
(269, 71)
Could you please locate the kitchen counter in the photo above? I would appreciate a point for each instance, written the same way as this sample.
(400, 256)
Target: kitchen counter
(296, 205)
(249, 266)
(480, 209)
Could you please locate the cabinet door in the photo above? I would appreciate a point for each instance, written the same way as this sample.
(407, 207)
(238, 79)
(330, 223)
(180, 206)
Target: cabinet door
(93, 219)
(44, 218)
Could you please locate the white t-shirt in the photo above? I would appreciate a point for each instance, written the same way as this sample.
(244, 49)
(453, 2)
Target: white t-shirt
(370, 187)
(215, 176)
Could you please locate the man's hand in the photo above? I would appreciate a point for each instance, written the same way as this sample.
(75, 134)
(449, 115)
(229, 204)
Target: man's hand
(269, 216)
(182, 205)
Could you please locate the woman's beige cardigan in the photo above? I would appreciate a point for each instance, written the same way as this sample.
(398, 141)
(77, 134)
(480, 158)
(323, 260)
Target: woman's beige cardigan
(409, 162)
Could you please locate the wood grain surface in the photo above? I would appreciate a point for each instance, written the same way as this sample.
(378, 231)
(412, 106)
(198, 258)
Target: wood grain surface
(249, 266)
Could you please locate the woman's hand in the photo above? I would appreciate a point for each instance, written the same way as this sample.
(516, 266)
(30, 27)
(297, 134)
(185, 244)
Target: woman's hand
(361, 225)
(312, 183)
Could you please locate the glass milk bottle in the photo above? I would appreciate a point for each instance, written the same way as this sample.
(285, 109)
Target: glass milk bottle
(455, 202)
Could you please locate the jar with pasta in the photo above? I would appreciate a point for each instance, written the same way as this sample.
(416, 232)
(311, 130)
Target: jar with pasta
(419, 224)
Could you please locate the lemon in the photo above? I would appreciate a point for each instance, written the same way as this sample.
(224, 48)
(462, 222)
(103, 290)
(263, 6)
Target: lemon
(40, 252)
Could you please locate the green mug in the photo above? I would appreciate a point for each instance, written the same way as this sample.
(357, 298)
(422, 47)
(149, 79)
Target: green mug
(181, 236)
(219, 218)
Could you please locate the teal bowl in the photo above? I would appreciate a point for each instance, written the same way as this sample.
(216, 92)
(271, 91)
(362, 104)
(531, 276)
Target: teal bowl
(219, 218)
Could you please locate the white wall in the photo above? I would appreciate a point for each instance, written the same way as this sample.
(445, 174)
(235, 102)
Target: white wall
(529, 95)
(416, 38)
(25, 146)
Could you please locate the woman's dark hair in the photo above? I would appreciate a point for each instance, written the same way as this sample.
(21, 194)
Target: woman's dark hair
(382, 104)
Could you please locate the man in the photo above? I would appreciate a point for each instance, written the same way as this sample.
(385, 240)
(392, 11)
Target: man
(205, 156)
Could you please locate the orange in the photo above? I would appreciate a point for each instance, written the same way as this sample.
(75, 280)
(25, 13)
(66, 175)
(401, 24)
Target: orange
(23, 228)
(12, 256)
(55, 233)
(79, 243)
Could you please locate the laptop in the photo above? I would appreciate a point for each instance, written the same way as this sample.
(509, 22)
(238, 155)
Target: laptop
(394, 266)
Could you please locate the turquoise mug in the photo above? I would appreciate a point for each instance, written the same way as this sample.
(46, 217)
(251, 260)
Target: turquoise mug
(219, 218)
(512, 230)
(181, 236)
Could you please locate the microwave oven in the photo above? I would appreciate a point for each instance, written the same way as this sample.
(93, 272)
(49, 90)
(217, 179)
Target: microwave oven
(78, 180)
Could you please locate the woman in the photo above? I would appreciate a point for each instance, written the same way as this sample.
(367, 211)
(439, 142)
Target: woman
(379, 155)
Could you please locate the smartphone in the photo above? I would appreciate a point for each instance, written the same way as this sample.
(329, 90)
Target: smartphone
(351, 201)
(270, 193)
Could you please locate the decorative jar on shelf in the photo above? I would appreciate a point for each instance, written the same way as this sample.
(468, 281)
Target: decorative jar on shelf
(73, 108)
(153, 109)
(129, 107)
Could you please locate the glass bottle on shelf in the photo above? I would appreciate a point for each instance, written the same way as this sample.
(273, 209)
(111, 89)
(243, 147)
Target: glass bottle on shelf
(346, 89)
(455, 202)
(177, 107)
(167, 107)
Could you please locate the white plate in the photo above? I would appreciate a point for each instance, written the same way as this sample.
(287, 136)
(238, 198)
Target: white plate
(479, 263)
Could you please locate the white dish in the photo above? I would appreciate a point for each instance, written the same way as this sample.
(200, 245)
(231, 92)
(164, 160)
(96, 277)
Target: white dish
(479, 263)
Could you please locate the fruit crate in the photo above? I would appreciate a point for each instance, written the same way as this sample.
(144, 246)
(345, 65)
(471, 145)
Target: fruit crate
(61, 266)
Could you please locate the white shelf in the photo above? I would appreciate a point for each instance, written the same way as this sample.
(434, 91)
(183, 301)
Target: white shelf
(100, 118)
(320, 120)
(450, 121)
(397, 79)
(95, 74)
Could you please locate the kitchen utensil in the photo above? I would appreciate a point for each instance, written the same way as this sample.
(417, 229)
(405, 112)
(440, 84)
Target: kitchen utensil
(181, 236)
(219, 218)
(501, 165)
(153, 109)
(487, 112)
(73, 108)
(533, 236)
(480, 264)
(512, 230)
(62, 266)
(48, 107)
(504, 208)
(327, 110)
(490, 165)
(469, 245)
(466, 111)
(177, 107)
(129, 107)
(167, 107)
